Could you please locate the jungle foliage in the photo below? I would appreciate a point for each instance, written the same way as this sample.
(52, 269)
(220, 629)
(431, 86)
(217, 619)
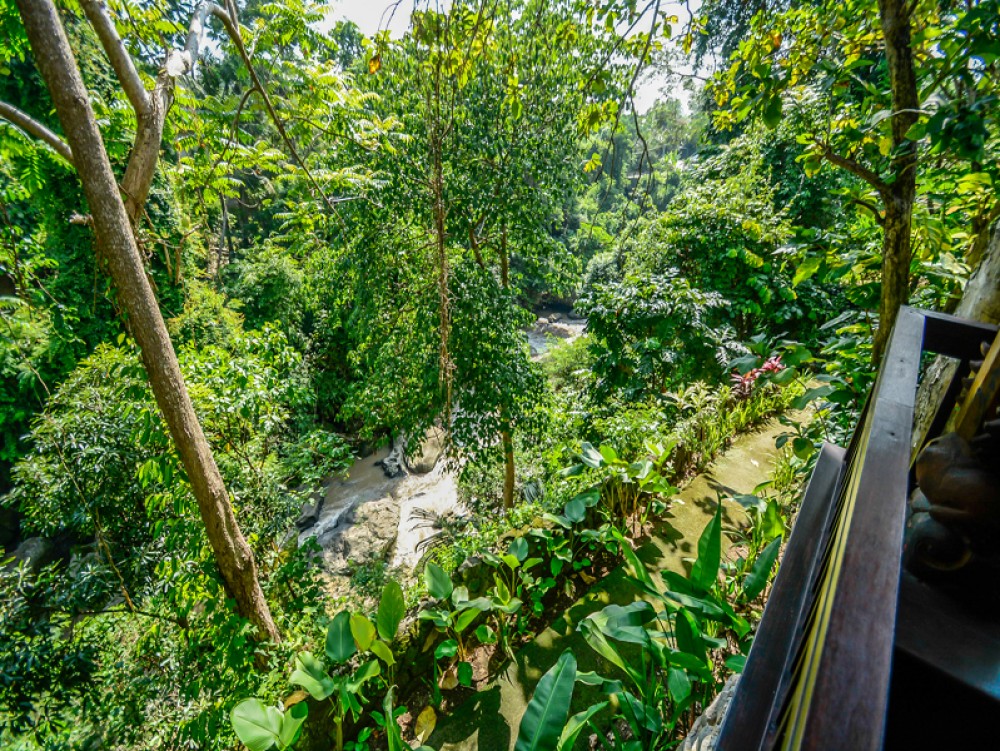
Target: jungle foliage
(348, 238)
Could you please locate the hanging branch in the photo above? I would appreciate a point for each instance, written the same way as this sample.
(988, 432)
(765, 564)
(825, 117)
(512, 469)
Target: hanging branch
(29, 125)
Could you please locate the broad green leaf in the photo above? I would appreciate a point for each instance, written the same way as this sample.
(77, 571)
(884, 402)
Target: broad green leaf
(257, 725)
(311, 674)
(519, 548)
(382, 650)
(391, 610)
(438, 582)
(363, 674)
(576, 724)
(291, 724)
(590, 456)
(465, 673)
(447, 648)
(818, 392)
(688, 635)
(363, 631)
(705, 570)
(545, 717)
(756, 580)
(464, 619)
(736, 663)
(771, 523)
(339, 639)
(679, 684)
(806, 269)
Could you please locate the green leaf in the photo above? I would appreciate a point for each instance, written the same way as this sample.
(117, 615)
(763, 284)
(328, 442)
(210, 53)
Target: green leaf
(382, 650)
(818, 392)
(438, 582)
(576, 724)
(688, 635)
(679, 684)
(772, 112)
(447, 648)
(519, 548)
(391, 610)
(807, 269)
(545, 717)
(485, 634)
(257, 725)
(363, 632)
(736, 663)
(291, 724)
(705, 570)
(465, 673)
(465, 619)
(311, 674)
(364, 674)
(590, 456)
(756, 580)
(339, 639)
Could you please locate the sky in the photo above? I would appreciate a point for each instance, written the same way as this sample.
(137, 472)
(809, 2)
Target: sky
(372, 15)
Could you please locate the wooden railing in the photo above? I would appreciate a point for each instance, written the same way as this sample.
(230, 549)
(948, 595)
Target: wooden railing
(818, 674)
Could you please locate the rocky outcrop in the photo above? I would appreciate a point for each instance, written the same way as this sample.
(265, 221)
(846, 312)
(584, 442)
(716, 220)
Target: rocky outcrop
(35, 552)
(368, 536)
(394, 464)
(704, 733)
(429, 452)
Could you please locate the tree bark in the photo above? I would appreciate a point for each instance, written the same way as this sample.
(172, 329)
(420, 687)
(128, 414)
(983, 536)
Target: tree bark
(901, 192)
(57, 65)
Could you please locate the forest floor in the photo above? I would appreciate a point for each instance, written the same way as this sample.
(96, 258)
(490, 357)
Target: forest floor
(489, 720)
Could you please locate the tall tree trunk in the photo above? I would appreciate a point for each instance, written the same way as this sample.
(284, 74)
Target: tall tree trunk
(896, 248)
(57, 65)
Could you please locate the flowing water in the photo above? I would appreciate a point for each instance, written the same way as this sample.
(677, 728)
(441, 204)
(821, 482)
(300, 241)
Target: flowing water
(369, 517)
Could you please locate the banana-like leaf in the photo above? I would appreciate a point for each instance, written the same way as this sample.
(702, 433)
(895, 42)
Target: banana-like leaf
(756, 580)
(363, 631)
(438, 582)
(545, 717)
(339, 639)
(391, 609)
(576, 724)
(311, 674)
(706, 569)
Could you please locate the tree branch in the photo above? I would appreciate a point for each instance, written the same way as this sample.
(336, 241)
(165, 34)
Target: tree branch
(229, 20)
(118, 56)
(872, 208)
(855, 168)
(31, 126)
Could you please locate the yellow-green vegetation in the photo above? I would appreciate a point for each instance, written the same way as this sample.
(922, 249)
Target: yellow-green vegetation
(327, 240)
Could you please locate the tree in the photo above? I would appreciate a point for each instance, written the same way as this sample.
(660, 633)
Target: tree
(113, 225)
(884, 77)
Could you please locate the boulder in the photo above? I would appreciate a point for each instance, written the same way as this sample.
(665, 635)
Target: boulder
(394, 465)
(368, 536)
(704, 734)
(36, 552)
(310, 511)
(430, 451)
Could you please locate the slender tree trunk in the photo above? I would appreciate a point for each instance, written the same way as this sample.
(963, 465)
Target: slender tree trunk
(115, 238)
(896, 249)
